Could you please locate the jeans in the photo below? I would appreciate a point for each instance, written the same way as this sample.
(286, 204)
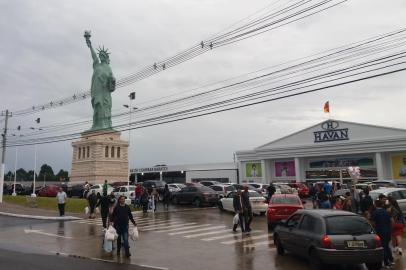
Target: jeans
(61, 207)
(387, 252)
(104, 215)
(248, 218)
(123, 233)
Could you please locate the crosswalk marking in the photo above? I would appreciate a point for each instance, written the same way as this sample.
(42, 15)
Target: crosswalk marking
(263, 243)
(198, 230)
(228, 236)
(206, 233)
(170, 226)
(247, 238)
(162, 226)
(185, 228)
(152, 222)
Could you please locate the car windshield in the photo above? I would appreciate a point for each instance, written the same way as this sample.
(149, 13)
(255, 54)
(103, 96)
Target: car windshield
(255, 185)
(254, 194)
(231, 188)
(132, 188)
(344, 225)
(205, 189)
(285, 200)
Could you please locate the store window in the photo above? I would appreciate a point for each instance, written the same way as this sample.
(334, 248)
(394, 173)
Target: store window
(112, 151)
(106, 151)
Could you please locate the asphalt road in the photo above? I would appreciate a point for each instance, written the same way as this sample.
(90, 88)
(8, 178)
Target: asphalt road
(183, 239)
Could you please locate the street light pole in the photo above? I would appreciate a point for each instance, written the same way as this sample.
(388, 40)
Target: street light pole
(35, 168)
(3, 156)
(15, 173)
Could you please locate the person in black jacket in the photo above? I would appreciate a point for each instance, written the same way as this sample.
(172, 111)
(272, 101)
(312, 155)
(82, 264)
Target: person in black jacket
(237, 204)
(366, 204)
(104, 203)
(121, 216)
(247, 209)
(92, 199)
(271, 191)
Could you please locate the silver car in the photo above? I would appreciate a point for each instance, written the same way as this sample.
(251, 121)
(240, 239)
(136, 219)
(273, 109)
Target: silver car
(329, 237)
(399, 194)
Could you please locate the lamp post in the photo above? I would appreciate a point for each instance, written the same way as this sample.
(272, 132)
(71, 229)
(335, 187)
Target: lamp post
(35, 160)
(131, 109)
(15, 168)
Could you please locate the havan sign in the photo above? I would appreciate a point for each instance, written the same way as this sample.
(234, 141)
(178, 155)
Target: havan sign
(331, 133)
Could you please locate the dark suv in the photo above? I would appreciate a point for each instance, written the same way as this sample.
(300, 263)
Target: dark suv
(329, 237)
(196, 195)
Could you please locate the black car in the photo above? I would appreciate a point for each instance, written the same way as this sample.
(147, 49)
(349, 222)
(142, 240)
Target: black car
(327, 237)
(150, 184)
(196, 195)
(76, 191)
(20, 190)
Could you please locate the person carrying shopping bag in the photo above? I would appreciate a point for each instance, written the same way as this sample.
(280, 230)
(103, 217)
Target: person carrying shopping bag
(238, 209)
(104, 208)
(121, 217)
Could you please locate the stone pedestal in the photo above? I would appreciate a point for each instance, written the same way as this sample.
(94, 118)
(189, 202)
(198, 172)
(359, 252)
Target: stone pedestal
(98, 156)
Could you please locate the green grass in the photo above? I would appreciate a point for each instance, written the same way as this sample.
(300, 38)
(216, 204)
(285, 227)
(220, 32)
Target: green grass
(73, 205)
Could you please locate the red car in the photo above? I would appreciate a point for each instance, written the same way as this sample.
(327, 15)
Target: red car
(48, 191)
(302, 189)
(281, 206)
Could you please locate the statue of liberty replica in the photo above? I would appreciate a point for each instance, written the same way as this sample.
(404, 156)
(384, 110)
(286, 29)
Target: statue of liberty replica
(100, 154)
(103, 83)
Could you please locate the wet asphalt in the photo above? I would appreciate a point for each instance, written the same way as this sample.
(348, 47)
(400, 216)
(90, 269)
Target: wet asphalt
(184, 238)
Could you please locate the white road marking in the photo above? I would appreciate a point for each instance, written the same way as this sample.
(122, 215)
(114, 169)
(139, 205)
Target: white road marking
(229, 235)
(198, 230)
(161, 226)
(247, 238)
(256, 244)
(207, 233)
(47, 234)
(185, 228)
(152, 222)
(151, 228)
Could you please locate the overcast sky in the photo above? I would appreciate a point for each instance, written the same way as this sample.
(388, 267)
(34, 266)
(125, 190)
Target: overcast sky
(44, 57)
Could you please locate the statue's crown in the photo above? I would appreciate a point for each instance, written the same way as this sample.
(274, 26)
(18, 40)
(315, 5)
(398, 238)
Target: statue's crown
(103, 50)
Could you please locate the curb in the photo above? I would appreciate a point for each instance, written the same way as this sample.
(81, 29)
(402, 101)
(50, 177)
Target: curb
(39, 217)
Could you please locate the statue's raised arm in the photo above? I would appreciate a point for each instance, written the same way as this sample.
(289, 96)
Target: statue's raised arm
(89, 44)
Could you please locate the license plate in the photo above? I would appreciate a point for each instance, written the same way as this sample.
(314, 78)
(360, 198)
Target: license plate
(356, 244)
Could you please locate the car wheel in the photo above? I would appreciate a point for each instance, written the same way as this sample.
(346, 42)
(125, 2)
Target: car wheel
(374, 266)
(220, 205)
(279, 246)
(197, 202)
(315, 261)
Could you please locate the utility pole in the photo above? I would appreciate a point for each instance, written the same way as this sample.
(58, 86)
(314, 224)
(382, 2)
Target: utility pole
(3, 153)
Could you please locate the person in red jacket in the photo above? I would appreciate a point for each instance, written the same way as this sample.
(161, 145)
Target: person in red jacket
(138, 193)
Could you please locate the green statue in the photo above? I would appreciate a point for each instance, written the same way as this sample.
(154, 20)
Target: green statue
(103, 83)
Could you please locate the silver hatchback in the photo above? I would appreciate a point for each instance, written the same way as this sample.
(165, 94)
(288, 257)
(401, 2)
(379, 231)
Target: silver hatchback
(329, 237)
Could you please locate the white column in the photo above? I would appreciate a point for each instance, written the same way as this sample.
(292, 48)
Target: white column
(379, 166)
(241, 172)
(298, 170)
(264, 172)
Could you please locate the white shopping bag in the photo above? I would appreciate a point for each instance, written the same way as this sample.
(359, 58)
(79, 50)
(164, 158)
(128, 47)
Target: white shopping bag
(87, 210)
(111, 234)
(107, 245)
(97, 210)
(134, 235)
(236, 219)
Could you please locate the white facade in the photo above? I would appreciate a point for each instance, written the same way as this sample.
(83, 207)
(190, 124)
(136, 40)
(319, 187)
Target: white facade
(325, 151)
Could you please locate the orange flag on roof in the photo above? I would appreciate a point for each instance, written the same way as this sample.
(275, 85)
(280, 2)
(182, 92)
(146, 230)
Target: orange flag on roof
(327, 107)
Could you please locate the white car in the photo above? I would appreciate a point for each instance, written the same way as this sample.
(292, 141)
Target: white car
(258, 202)
(98, 188)
(285, 188)
(175, 187)
(127, 191)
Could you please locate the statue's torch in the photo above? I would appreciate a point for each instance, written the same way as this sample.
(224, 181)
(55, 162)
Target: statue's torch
(87, 36)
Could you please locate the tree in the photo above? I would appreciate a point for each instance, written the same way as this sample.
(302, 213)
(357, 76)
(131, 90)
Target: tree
(46, 172)
(22, 175)
(30, 175)
(62, 175)
(9, 176)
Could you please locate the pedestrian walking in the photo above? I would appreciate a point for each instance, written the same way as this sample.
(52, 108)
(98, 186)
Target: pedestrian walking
(327, 188)
(166, 197)
(105, 186)
(121, 217)
(247, 209)
(355, 200)
(271, 191)
(238, 209)
(92, 200)
(313, 194)
(366, 204)
(324, 202)
(338, 204)
(86, 189)
(104, 204)
(381, 219)
(138, 193)
(144, 200)
(347, 204)
(112, 204)
(154, 199)
(61, 197)
(398, 223)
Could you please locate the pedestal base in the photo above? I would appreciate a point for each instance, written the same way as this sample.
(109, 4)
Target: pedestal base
(99, 156)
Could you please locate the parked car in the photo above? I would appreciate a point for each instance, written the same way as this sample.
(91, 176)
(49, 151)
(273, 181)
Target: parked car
(241, 186)
(150, 184)
(302, 189)
(48, 191)
(98, 188)
(197, 195)
(222, 190)
(20, 190)
(127, 191)
(399, 194)
(385, 183)
(119, 184)
(174, 187)
(327, 237)
(285, 188)
(281, 206)
(76, 191)
(260, 187)
(209, 183)
(258, 202)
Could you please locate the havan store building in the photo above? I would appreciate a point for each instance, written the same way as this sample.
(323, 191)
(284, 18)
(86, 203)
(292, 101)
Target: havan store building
(325, 151)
